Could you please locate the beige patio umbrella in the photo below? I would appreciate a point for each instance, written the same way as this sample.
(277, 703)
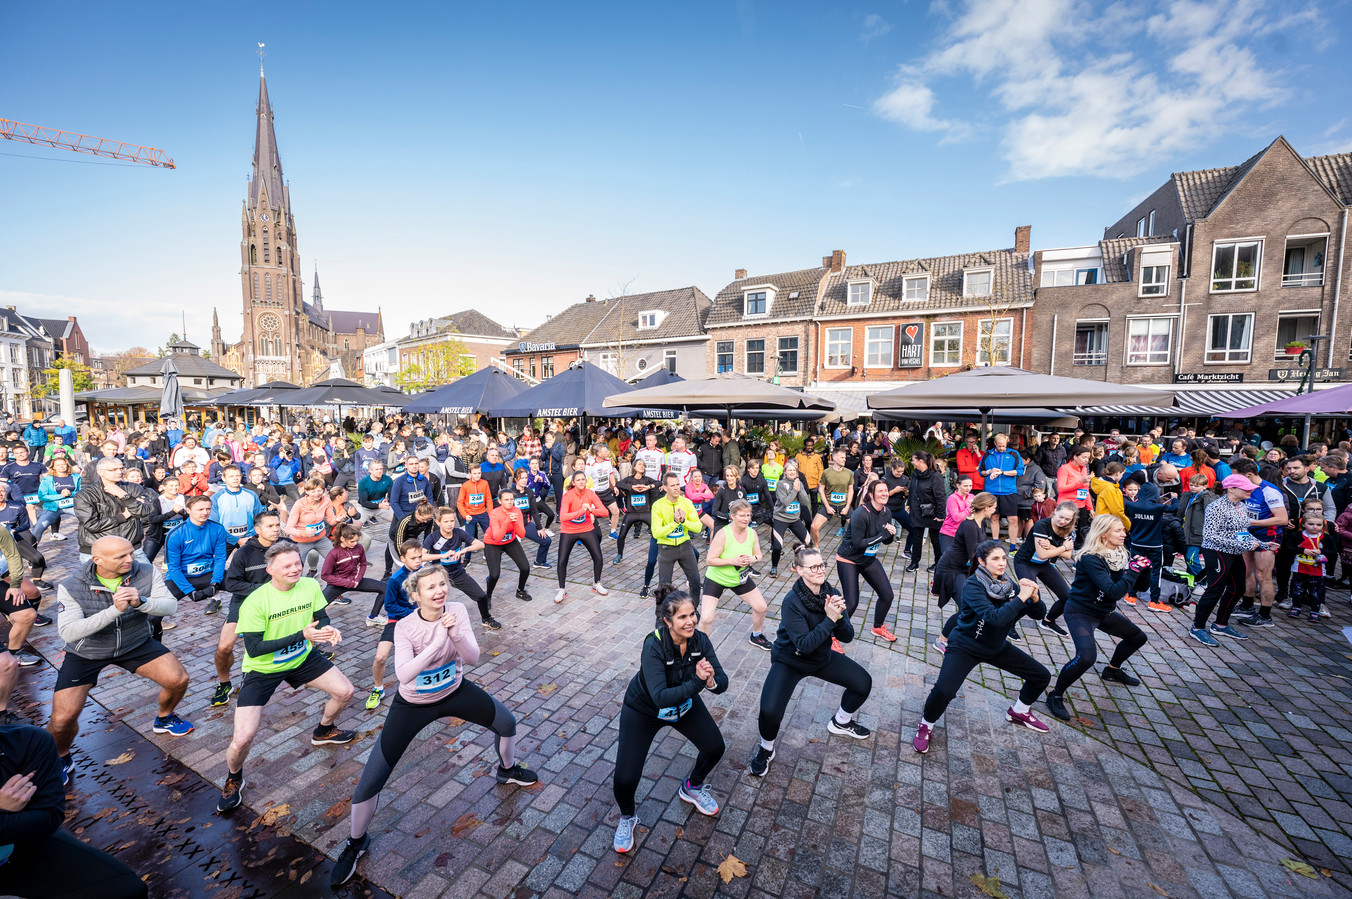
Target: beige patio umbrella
(727, 394)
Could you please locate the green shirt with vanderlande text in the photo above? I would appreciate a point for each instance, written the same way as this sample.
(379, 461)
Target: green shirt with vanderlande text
(278, 614)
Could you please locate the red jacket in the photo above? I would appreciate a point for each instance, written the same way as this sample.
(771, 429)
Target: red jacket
(193, 484)
(344, 567)
(572, 520)
(969, 464)
(504, 525)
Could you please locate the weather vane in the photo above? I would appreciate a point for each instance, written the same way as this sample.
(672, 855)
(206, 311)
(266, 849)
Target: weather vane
(261, 54)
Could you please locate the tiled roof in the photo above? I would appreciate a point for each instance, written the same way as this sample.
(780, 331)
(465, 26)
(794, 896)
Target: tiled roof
(727, 306)
(684, 308)
(57, 327)
(1200, 191)
(472, 322)
(189, 365)
(349, 322)
(1336, 173)
(945, 286)
(1114, 272)
(571, 326)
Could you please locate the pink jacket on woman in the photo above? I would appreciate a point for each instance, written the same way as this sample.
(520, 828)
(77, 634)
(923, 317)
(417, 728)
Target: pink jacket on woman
(955, 513)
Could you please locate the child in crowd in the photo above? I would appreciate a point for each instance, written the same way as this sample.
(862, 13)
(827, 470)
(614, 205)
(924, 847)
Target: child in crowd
(192, 482)
(1310, 566)
(1042, 505)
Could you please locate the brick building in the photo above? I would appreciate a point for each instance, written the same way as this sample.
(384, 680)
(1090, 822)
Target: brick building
(68, 341)
(482, 343)
(1205, 281)
(762, 325)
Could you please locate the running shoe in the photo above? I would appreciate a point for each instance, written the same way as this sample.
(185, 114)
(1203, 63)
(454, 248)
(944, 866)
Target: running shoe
(761, 641)
(55, 536)
(1314, 616)
(848, 729)
(492, 624)
(1201, 636)
(67, 770)
(1014, 634)
(1049, 624)
(524, 596)
(373, 701)
(343, 600)
(541, 566)
(1226, 630)
(1155, 606)
(700, 798)
(346, 866)
(1057, 705)
(913, 566)
(1129, 600)
(1028, 720)
(1295, 613)
(835, 646)
(167, 625)
(922, 737)
(941, 644)
(643, 592)
(26, 659)
(326, 654)
(599, 590)
(171, 724)
(39, 582)
(1255, 620)
(377, 621)
(617, 560)
(41, 620)
(882, 631)
(232, 794)
(212, 607)
(561, 594)
(774, 571)
(840, 532)
(1118, 676)
(518, 774)
(760, 762)
(624, 833)
(328, 735)
(614, 535)
(221, 695)
(1284, 604)
(1324, 611)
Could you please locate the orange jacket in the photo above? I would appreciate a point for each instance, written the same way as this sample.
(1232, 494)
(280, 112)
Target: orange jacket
(572, 520)
(504, 525)
(969, 464)
(465, 503)
(193, 484)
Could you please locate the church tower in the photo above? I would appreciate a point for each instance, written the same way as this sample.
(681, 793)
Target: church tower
(277, 329)
(217, 344)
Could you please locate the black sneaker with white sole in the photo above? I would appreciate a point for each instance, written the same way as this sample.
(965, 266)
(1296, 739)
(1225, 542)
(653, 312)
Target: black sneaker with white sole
(518, 774)
(346, 866)
(848, 729)
(1048, 624)
(760, 762)
(232, 794)
(328, 735)
(761, 641)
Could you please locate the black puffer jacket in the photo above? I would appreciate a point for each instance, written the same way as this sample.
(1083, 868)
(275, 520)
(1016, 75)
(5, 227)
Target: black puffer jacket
(101, 514)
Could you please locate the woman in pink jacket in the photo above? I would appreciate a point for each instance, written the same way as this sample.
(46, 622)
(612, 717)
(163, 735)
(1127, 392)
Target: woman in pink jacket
(309, 523)
(959, 506)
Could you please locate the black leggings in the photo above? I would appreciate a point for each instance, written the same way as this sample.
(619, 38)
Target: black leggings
(782, 681)
(876, 577)
(63, 867)
(637, 731)
(367, 585)
(28, 550)
(493, 559)
(777, 529)
(1224, 576)
(959, 662)
(591, 539)
(1082, 625)
(1046, 573)
(632, 520)
(470, 702)
(915, 543)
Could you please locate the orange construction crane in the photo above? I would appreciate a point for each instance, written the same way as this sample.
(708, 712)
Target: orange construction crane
(83, 143)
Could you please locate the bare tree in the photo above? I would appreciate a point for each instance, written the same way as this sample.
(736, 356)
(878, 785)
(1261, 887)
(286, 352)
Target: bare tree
(621, 292)
(997, 347)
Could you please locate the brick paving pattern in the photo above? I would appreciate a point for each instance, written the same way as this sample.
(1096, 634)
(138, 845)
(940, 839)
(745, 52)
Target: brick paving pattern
(1197, 783)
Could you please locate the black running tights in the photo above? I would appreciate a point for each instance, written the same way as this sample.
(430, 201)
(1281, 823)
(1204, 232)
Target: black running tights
(591, 539)
(876, 577)
(778, 528)
(637, 731)
(958, 663)
(1082, 626)
(493, 559)
(783, 680)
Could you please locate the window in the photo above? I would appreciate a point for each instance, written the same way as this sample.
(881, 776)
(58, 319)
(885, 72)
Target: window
(255, 289)
(1086, 276)
(1140, 227)
(878, 346)
(546, 366)
(532, 364)
(977, 284)
(1150, 227)
(1295, 326)
(723, 350)
(1150, 341)
(345, 346)
(915, 288)
(392, 357)
(1304, 263)
(648, 320)
(267, 286)
(1091, 343)
(641, 364)
(197, 382)
(788, 355)
(610, 362)
(265, 246)
(1231, 337)
(755, 357)
(669, 360)
(1234, 265)
(946, 343)
(838, 349)
(860, 293)
(1058, 277)
(756, 303)
(1154, 280)
(995, 341)
(518, 366)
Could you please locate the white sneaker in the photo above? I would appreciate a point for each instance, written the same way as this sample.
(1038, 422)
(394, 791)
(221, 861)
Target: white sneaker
(1324, 611)
(560, 595)
(55, 536)
(597, 588)
(1284, 604)
(378, 621)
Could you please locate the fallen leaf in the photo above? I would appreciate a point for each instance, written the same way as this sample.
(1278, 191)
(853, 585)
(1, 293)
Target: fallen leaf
(122, 759)
(990, 886)
(272, 815)
(1083, 721)
(466, 823)
(1158, 890)
(169, 780)
(497, 653)
(546, 689)
(422, 833)
(1326, 872)
(680, 833)
(813, 740)
(307, 875)
(1298, 867)
(731, 867)
(1114, 851)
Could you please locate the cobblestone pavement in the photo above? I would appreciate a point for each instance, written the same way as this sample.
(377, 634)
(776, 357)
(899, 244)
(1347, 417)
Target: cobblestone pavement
(1198, 783)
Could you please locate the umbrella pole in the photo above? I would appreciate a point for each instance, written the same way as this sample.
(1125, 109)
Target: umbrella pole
(1305, 439)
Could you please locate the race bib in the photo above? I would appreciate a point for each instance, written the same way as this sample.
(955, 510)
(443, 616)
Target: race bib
(744, 575)
(65, 502)
(581, 519)
(294, 651)
(638, 500)
(238, 530)
(416, 496)
(871, 549)
(317, 528)
(434, 679)
(1306, 559)
(523, 503)
(196, 568)
(677, 532)
(476, 499)
(837, 498)
(30, 498)
(771, 483)
(792, 508)
(753, 497)
(1082, 494)
(673, 713)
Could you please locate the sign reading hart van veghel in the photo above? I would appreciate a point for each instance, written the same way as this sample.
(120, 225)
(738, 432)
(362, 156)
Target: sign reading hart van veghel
(911, 347)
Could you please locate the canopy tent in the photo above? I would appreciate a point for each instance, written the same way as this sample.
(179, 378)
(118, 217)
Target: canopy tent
(582, 389)
(255, 396)
(659, 377)
(171, 397)
(1052, 418)
(337, 392)
(1334, 402)
(476, 393)
(726, 392)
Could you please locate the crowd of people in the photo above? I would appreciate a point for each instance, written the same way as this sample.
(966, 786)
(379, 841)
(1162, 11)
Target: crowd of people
(271, 528)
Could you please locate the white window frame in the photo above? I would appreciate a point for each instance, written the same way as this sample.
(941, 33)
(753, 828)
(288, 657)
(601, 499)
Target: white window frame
(1076, 358)
(891, 344)
(995, 323)
(1058, 273)
(1140, 227)
(1317, 315)
(669, 360)
(609, 361)
(1216, 247)
(1150, 228)
(747, 292)
(641, 363)
(1126, 342)
(1147, 288)
(906, 283)
(779, 354)
(1229, 353)
(966, 278)
(833, 338)
(654, 316)
(746, 355)
(1306, 279)
(935, 338)
(852, 295)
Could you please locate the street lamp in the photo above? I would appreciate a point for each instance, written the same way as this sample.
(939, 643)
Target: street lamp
(1307, 360)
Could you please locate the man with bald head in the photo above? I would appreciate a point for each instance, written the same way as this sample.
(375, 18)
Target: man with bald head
(104, 619)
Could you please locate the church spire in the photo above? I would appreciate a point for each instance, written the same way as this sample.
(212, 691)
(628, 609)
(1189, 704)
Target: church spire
(267, 164)
(317, 300)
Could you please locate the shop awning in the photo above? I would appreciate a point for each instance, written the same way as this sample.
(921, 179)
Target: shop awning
(1197, 403)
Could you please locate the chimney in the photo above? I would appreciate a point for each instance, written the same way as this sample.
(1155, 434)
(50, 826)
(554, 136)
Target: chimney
(591, 298)
(835, 262)
(739, 274)
(1023, 237)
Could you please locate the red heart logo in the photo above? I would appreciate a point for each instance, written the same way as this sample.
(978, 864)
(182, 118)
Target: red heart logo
(911, 331)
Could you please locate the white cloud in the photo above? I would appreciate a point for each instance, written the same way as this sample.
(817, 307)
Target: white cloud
(1080, 89)
(874, 26)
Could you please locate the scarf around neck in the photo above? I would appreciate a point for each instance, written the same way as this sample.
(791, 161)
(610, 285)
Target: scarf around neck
(998, 590)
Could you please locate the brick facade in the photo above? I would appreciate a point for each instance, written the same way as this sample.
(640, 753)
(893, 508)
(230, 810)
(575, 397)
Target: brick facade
(1020, 352)
(770, 332)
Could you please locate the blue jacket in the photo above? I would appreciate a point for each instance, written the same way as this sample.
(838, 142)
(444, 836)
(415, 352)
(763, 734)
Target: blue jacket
(284, 471)
(174, 436)
(69, 436)
(1147, 513)
(406, 493)
(235, 512)
(35, 435)
(397, 604)
(192, 551)
(1009, 460)
(50, 495)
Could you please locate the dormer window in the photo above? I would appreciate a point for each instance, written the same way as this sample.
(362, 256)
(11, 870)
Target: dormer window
(977, 282)
(915, 288)
(861, 293)
(757, 300)
(755, 303)
(649, 320)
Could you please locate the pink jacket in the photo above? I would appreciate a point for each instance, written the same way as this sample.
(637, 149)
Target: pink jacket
(955, 513)
(310, 521)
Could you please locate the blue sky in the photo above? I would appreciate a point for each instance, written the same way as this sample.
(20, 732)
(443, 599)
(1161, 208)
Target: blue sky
(515, 159)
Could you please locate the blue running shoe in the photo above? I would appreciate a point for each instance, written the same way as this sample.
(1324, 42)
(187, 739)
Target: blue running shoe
(700, 798)
(67, 770)
(1201, 636)
(624, 833)
(172, 725)
(1226, 630)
